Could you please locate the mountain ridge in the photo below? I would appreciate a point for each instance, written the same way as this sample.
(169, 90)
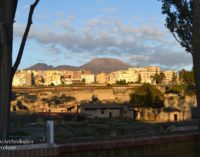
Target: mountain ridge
(96, 65)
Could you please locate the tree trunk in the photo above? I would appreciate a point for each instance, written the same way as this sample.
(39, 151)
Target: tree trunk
(7, 71)
(5, 89)
(6, 39)
(196, 53)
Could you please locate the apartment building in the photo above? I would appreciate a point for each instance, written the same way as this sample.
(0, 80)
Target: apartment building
(66, 77)
(102, 78)
(132, 74)
(23, 78)
(88, 78)
(52, 77)
(113, 77)
(169, 75)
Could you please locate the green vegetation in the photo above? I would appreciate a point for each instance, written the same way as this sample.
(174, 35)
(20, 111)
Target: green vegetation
(174, 78)
(83, 80)
(177, 89)
(147, 96)
(139, 79)
(121, 82)
(159, 78)
(186, 76)
(184, 89)
(190, 90)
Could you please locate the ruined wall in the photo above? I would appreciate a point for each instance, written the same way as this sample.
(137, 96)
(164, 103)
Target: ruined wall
(177, 101)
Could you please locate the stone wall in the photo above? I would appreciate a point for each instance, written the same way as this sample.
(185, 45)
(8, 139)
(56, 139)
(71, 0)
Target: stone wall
(177, 101)
(167, 146)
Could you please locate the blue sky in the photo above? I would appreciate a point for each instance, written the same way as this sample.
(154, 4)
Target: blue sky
(74, 32)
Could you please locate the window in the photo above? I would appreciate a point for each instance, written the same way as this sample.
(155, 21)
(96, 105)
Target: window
(102, 111)
(110, 114)
(175, 117)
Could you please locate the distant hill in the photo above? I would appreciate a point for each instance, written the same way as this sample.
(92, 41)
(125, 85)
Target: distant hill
(40, 66)
(43, 66)
(105, 65)
(97, 65)
(66, 67)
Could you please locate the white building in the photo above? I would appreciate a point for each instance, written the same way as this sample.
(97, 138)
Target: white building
(169, 75)
(132, 74)
(88, 78)
(53, 77)
(22, 78)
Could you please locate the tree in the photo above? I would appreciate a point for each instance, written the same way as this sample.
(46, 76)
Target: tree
(83, 80)
(183, 21)
(162, 77)
(179, 20)
(121, 82)
(139, 79)
(7, 70)
(158, 78)
(174, 78)
(155, 78)
(147, 96)
(183, 89)
(186, 76)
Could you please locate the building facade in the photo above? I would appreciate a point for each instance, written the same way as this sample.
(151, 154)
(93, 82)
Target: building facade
(88, 78)
(102, 78)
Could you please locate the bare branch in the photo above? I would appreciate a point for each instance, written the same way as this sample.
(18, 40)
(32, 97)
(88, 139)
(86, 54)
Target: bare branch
(24, 38)
(14, 8)
(174, 35)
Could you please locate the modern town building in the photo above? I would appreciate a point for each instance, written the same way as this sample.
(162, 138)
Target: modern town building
(102, 78)
(88, 78)
(67, 77)
(23, 78)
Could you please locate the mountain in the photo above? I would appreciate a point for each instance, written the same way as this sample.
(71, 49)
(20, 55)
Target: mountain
(40, 66)
(43, 66)
(66, 67)
(105, 65)
(97, 65)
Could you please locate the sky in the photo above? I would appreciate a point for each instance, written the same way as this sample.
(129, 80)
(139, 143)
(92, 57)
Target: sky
(73, 32)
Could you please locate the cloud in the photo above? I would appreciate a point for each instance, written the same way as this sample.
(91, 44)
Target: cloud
(175, 60)
(99, 37)
(55, 50)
